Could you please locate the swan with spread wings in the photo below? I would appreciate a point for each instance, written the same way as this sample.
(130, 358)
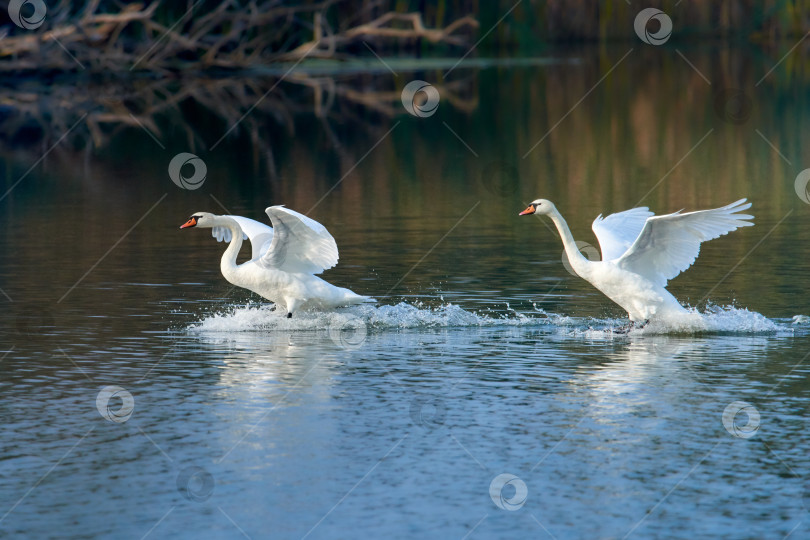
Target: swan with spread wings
(641, 252)
(284, 258)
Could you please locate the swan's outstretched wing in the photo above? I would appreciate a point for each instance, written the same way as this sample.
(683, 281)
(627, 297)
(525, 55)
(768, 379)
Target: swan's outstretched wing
(617, 232)
(300, 244)
(669, 244)
(259, 234)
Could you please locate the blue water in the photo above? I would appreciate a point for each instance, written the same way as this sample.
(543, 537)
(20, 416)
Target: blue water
(397, 427)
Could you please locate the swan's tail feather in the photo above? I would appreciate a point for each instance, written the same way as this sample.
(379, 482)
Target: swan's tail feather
(354, 299)
(347, 297)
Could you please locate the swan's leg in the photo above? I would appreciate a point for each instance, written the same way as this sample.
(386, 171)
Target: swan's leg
(631, 326)
(292, 304)
(626, 328)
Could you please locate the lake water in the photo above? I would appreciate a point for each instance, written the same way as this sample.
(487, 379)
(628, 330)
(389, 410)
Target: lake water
(484, 357)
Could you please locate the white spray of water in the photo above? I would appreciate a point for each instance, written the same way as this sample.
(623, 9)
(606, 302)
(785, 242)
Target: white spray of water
(262, 318)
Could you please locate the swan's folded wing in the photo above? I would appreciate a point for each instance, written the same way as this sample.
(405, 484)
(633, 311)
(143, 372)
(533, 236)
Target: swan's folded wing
(617, 232)
(259, 234)
(300, 244)
(669, 244)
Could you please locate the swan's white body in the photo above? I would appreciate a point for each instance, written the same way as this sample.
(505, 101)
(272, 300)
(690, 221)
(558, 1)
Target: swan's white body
(641, 252)
(284, 259)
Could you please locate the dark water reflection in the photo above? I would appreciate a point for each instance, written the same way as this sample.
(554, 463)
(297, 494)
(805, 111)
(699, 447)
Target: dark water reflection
(286, 433)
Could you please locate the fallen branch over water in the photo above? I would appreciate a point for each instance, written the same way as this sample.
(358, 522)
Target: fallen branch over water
(232, 36)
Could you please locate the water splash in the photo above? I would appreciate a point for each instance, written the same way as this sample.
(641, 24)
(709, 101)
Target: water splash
(262, 318)
(714, 320)
(402, 315)
(801, 320)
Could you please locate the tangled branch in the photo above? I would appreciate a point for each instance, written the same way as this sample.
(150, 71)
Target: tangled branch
(231, 36)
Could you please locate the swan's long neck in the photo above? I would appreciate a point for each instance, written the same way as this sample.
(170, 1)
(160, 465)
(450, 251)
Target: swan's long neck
(228, 262)
(575, 257)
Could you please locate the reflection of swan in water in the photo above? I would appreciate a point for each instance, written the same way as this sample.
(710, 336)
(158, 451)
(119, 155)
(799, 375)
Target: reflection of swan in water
(656, 373)
(273, 363)
(262, 362)
(627, 382)
(263, 380)
(281, 393)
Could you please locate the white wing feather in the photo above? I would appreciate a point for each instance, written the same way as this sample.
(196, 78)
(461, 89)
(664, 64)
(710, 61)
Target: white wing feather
(300, 244)
(669, 244)
(259, 234)
(617, 232)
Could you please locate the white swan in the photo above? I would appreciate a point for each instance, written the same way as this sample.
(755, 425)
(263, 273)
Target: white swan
(642, 251)
(284, 258)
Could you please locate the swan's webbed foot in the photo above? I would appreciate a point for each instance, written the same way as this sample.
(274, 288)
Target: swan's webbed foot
(624, 329)
(292, 305)
(630, 326)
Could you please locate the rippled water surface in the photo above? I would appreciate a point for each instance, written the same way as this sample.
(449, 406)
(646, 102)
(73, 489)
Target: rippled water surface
(483, 357)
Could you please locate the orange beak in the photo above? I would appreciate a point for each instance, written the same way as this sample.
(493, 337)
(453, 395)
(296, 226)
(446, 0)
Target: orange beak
(190, 223)
(529, 210)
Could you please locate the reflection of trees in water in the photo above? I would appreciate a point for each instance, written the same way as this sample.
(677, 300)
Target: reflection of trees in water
(657, 108)
(625, 136)
(92, 116)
